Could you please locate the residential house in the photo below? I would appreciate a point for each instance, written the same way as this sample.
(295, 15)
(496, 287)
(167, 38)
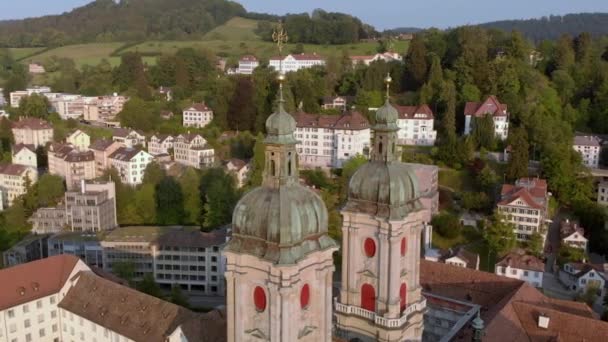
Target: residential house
(131, 164)
(295, 62)
(330, 140)
(460, 257)
(79, 139)
(129, 137)
(35, 68)
(367, 60)
(491, 106)
(240, 169)
(14, 180)
(573, 235)
(589, 147)
(416, 125)
(102, 149)
(525, 205)
(582, 276)
(428, 188)
(109, 106)
(160, 144)
(60, 296)
(16, 96)
(197, 115)
(192, 150)
(247, 65)
(337, 102)
(522, 266)
(71, 164)
(602, 193)
(25, 155)
(32, 131)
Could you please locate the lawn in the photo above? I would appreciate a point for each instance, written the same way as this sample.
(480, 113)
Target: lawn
(457, 180)
(82, 54)
(19, 53)
(235, 29)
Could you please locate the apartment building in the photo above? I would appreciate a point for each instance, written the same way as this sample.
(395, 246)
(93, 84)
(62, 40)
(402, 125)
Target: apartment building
(416, 125)
(71, 164)
(25, 155)
(61, 299)
(525, 205)
(32, 131)
(369, 59)
(521, 266)
(80, 140)
(192, 150)
(49, 220)
(328, 141)
(295, 62)
(173, 255)
(129, 138)
(102, 149)
(197, 115)
(131, 164)
(16, 96)
(590, 148)
(491, 106)
(247, 65)
(160, 144)
(14, 180)
(68, 106)
(109, 106)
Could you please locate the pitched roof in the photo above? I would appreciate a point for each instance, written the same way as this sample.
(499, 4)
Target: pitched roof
(587, 140)
(248, 58)
(130, 313)
(422, 112)
(101, 145)
(300, 57)
(568, 228)
(490, 106)
(188, 137)
(13, 169)
(470, 258)
(533, 191)
(200, 107)
(76, 133)
(237, 163)
(125, 153)
(124, 132)
(522, 261)
(30, 281)
(32, 123)
(331, 99)
(71, 154)
(350, 120)
(18, 147)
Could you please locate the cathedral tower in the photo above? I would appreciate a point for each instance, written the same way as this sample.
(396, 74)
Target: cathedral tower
(380, 296)
(279, 260)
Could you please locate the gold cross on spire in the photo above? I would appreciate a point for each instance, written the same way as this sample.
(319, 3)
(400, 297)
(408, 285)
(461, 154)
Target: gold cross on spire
(279, 36)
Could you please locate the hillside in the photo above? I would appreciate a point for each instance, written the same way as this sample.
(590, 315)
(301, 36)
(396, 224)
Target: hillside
(554, 26)
(110, 21)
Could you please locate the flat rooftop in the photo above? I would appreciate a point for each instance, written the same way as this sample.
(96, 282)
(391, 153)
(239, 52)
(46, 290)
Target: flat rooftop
(144, 233)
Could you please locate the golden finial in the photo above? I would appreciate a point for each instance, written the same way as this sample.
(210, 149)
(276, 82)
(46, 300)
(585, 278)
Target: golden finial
(279, 36)
(388, 80)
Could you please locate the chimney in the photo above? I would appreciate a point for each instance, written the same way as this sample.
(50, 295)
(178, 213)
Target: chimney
(543, 321)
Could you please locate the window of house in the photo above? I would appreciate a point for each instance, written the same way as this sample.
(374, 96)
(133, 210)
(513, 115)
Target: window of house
(11, 313)
(41, 332)
(26, 309)
(513, 272)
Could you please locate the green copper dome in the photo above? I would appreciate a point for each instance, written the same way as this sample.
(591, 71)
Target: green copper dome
(386, 117)
(280, 127)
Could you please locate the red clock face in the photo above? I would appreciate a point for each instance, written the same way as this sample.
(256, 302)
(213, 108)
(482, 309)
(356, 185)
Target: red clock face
(370, 247)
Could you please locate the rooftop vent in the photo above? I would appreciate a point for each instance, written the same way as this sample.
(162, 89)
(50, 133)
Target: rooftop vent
(543, 321)
(35, 286)
(21, 291)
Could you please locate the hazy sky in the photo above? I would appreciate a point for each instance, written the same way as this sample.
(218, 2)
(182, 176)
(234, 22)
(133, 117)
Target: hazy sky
(380, 13)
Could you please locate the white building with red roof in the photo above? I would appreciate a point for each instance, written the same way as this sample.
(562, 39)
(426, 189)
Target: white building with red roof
(328, 141)
(573, 235)
(197, 115)
(367, 60)
(296, 62)
(491, 106)
(525, 205)
(416, 125)
(522, 266)
(247, 64)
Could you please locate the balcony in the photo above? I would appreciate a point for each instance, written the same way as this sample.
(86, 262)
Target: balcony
(379, 320)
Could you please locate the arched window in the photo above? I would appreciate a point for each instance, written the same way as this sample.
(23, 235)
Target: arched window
(368, 297)
(380, 148)
(273, 168)
(289, 164)
(259, 299)
(403, 296)
(369, 247)
(403, 246)
(305, 296)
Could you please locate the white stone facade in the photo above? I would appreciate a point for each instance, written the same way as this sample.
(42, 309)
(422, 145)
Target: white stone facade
(160, 144)
(198, 115)
(247, 64)
(534, 278)
(589, 147)
(130, 165)
(491, 106)
(416, 126)
(296, 62)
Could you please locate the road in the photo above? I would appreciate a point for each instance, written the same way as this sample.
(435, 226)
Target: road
(553, 241)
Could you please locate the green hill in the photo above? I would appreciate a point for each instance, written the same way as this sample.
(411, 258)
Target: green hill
(235, 29)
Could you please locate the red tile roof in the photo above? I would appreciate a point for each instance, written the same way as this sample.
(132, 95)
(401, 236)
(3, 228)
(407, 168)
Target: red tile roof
(568, 228)
(248, 58)
(32, 123)
(522, 261)
(12, 169)
(533, 191)
(20, 147)
(490, 106)
(26, 282)
(200, 107)
(300, 57)
(409, 112)
(349, 120)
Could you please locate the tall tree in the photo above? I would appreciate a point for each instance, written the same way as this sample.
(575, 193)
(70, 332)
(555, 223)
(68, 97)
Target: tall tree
(169, 202)
(416, 62)
(483, 132)
(564, 53)
(190, 185)
(517, 166)
(499, 235)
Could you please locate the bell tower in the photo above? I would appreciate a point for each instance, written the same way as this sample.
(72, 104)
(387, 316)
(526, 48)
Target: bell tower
(380, 296)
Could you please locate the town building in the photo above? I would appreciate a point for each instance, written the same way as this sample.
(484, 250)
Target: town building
(428, 187)
(129, 138)
(367, 60)
(328, 141)
(102, 149)
(279, 262)
(59, 299)
(84, 245)
(49, 220)
(71, 164)
(521, 266)
(247, 65)
(32, 247)
(131, 164)
(32, 131)
(192, 150)
(160, 144)
(90, 109)
(14, 182)
(16, 96)
(573, 235)
(182, 256)
(35, 68)
(380, 295)
(341, 103)
(525, 205)
(491, 106)
(580, 277)
(295, 62)
(25, 155)
(589, 148)
(416, 125)
(80, 140)
(240, 169)
(197, 115)
(109, 106)
(460, 257)
(68, 106)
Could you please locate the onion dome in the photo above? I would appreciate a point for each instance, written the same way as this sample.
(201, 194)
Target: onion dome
(386, 117)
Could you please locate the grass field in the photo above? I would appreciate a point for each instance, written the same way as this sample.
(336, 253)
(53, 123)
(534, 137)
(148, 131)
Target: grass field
(82, 54)
(235, 29)
(19, 53)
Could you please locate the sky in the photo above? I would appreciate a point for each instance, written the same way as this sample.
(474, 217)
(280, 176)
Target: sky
(382, 14)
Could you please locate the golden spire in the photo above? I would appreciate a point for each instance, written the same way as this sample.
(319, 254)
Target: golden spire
(388, 80)
(279, 36)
